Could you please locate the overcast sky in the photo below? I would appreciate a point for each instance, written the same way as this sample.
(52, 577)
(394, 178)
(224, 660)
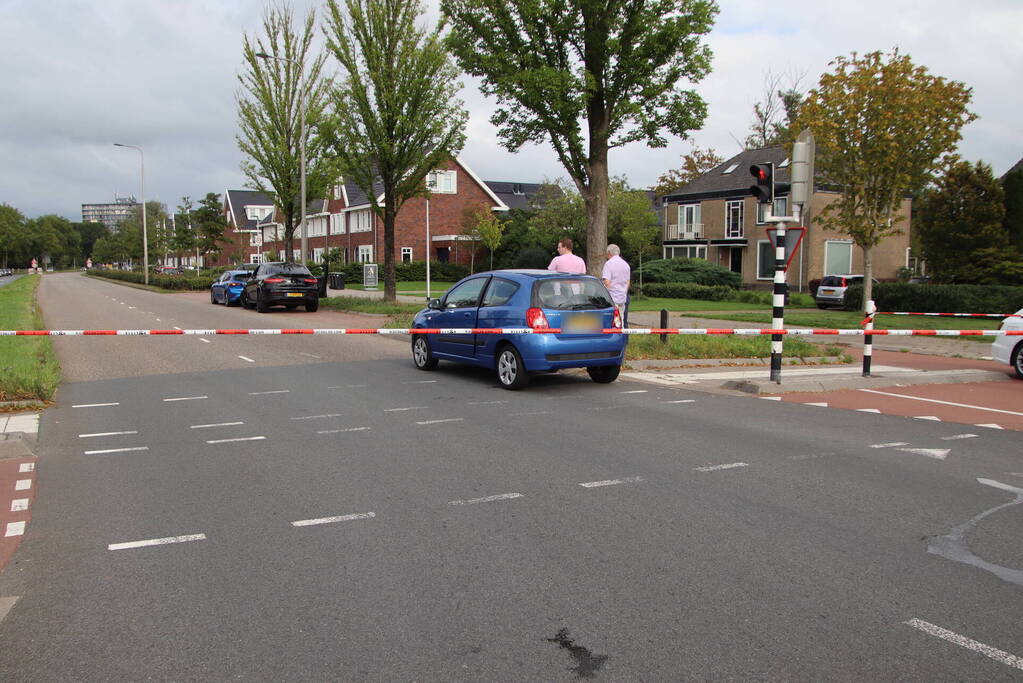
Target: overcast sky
(81, 75)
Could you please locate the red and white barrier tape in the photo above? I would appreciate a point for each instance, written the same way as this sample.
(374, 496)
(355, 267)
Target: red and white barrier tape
(519, 330)
(955, 315)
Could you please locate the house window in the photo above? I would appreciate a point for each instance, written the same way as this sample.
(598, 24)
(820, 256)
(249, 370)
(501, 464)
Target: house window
(365, 253)
(689, 223)
(781, 208)
(257, 213)
(406, 254)
(837, 257)
(692, 251)
(765, 260)
(317, 255)
(730, 169)
(362, 221)
(338, 192)
(255, 258)
(733, 219)
(442, 182)
(337, 224)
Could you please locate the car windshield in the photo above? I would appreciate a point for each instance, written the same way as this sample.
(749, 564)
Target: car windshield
(833, 281)
(289, 269)
(240, 275)
(572, 294)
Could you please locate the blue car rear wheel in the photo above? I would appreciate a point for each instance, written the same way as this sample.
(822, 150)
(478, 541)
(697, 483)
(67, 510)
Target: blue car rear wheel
(511, 371)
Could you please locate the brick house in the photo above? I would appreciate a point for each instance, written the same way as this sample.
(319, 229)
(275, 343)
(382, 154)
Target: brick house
(346, 222)
(244, 211)
(715, 218)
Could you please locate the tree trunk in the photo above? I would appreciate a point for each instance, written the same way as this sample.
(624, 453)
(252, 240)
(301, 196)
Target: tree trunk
(595, 198)
(390, 290)
(868, 280)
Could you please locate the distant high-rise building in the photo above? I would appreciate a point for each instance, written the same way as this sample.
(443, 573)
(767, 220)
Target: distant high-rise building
(109, 214)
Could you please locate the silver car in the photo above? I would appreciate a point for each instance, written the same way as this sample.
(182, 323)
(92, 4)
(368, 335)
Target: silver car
(1009, 350)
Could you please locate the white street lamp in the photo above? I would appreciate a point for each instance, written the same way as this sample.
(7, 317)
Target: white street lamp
(304, 251)
(142, 200)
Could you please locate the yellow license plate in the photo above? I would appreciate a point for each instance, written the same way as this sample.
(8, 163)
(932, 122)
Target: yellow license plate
(295, 294)
(827, 291)
(582, 323)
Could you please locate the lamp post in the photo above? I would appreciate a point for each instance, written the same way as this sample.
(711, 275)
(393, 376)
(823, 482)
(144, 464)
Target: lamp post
(430, 184)
(142, 199)
(304, 251)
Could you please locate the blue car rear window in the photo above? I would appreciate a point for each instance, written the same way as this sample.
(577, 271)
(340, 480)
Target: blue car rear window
(572, 294)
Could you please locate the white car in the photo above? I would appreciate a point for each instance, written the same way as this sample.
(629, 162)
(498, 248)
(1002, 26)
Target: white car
(1009, 350)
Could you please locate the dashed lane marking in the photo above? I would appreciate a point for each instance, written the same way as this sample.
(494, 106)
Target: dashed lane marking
(157, 541)
(770, 398)
(308, 355)
(217, 424)
(243, 438)
(944, 403)
(422, 381)
(968, 643)
(341, 431)
(5, 605)
(817, 405)
(714, 468)
(685, 400)
(264, 393)
(185, 398)
(635, 391)
(332, 520)
(957, 437)
(610, 482)
(204, 339)
(434, 422)
(89, 436)
(247, 359)
(118, 450)
(486, 499)
(398, 410)
(538, 412)
(991, 426)
(891, 444)
(937, 453)
(486, 403)
(316, 417)
(94, 405)
(868, 410)
(932, 418)
(349, 386)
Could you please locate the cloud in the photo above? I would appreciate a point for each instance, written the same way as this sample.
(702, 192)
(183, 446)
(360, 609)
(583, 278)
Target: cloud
(161, 74)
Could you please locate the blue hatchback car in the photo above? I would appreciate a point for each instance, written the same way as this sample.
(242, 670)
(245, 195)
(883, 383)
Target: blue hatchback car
(228, 287)
(579, 305)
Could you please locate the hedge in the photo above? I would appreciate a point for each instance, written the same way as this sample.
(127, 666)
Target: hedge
(698, 271)
(174, 282)
(899, 296)
(688, 290)
(403, 272)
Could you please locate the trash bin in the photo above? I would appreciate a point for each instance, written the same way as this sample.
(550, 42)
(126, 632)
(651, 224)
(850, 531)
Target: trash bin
(322, 286)
(337, 280)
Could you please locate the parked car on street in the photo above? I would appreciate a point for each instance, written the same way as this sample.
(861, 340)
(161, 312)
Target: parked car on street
(1009, 350)
(281, 284)
(228, 287)
(579, 305)
(831, 291)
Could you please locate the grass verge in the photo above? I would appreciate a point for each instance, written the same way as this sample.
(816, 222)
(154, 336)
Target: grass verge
(376, 306)
(650, 347)
(28, 365)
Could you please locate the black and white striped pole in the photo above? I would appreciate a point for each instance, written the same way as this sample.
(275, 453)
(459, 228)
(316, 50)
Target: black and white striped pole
(778, 302)
(868, 339)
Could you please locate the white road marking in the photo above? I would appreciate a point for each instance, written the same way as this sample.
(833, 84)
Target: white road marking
(6, 604)
(685, 400)
(348, 386)
(15, 529)
(635, 391)
(957, 437)
(117, 450)
(218, 424)
(264, 393)
(88, 436)
(770, 398)
(176, 327)
(158, 320)
(422, 381)
(486, 403)
(944, 403)
(157, 541)
(27, 467)
(991, 426)
(714, 468)
(244, 438)
(247, 359)
(19, 504)
(398, 410)
(938, 453)
(331, 520)
(132, 308)
(434, 422)
(970, 644)
(868, 410)
(94, 405)
(932, 418)
(893, 444)
(23, 485)
(341, 431)
(204, 339)
(186, 398)
(610, 482)
(539, 412)
(818, 405)
(487, 499)
(308, 355)
(316, 417)
(999, 485)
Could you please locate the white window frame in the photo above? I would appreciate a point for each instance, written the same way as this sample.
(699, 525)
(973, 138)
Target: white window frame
(318, 254)
(337, 224)
(781, 208)
(365, 253)
(442, 182)
(688, 251)
(362, 221)
(406, 251)
(760, 251)
(845, 243)
(690, 219)
(737, 205)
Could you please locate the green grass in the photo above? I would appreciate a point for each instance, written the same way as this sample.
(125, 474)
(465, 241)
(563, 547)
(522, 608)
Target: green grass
(687, 305)
(362, 305)
(414, 287)
(28, 366)
(650, 347)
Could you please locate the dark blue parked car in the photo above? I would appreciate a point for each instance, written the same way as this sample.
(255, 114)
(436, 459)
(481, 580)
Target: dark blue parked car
(579, 305)
(228, 287)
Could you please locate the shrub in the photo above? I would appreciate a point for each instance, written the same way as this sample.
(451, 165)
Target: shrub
(688, 290)
(405, 272)
(898, 296)
(697, 271)
(533, 257)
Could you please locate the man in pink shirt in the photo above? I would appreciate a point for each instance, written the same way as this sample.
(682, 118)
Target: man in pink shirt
(566, 261)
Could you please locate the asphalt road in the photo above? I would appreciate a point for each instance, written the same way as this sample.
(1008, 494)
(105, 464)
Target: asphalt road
(351, 518)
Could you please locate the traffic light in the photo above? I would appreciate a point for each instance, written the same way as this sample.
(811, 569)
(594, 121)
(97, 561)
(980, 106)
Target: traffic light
(763, 174)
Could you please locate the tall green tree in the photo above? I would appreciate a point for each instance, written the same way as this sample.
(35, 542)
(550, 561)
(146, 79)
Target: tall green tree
(396, 113)
(184, 239)
(90, 232)
(884, 127)
(587, 76)
(1012, 185)
(270, 105)
(12, 233)
(960, 225)
(210, 223)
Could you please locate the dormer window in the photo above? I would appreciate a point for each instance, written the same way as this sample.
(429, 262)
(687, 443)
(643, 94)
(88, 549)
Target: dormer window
(730, 169)
(258, 213)
(517, 189)
(784, 163)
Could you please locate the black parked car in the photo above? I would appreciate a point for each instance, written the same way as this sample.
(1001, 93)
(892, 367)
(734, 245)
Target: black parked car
(281, 284)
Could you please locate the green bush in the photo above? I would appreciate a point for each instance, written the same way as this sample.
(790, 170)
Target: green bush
(404, 272)
(172, 282)
(697, 271)
(688, 290)
(533, 257)
(898, 296)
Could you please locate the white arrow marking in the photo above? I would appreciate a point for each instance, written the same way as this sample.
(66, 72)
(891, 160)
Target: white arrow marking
(991, 426)
(938, 453)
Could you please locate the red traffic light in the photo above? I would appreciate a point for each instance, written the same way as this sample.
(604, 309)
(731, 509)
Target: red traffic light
(764, 189)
